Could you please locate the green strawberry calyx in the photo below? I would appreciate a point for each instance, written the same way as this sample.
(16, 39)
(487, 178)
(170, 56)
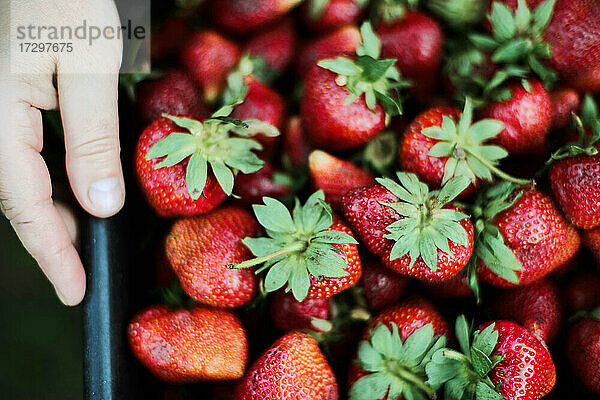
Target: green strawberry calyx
(586, 143)
(426, 225)
(211, 143)
(459, 14)
(395, 367)
(489, 243)
(379, 80)
(298, 245)
(517, 42)
(236, 87)
(464, 374)
(464, 144)
(391, 11)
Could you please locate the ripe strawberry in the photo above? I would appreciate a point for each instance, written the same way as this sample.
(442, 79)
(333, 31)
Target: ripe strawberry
(536, 307)
(416, 41)
(384, 358)
(180, 345)
(200, 248)
(582, 292)
(454, 288)
(168, 38)
(415, 232)
(173, 93)
(335, 176)
(289, 314)
(521, 236)
(245, 16)
(295, 144)
(311, 250)
(527, 117)
(342, 41)
(275, 46)
(583, 344)
(292, 368)
(442, 143)
(180, 183)
(591, 239)
(208, 57)
(253, 187)
(503, 361)
(381, 287)
(565, 101)
(334, 112)
(326, 15)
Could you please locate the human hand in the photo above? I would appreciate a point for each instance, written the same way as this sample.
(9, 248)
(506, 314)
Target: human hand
(87, 100)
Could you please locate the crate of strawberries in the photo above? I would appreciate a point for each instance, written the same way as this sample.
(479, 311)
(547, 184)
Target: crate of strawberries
(353, 199)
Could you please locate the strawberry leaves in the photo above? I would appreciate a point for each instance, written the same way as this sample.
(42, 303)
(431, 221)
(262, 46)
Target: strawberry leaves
(298, 244)
(395, 367)
(425, 225)
(378, 80)
(211, 143)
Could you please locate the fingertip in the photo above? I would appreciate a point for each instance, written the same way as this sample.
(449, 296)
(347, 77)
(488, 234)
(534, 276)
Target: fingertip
(106, 197)
(71, 290)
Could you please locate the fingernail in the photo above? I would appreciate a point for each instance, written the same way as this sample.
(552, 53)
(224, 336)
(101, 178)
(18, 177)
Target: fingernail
(106, 195)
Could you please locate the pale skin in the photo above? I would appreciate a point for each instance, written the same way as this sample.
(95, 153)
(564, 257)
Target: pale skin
(87, 101)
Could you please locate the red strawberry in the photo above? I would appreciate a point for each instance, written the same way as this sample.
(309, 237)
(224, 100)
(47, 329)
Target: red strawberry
(453, 288)
(168, 38)
(320, 16)
(504, 360)
(583, 350)
(244, 16)
(381, 287)
(253, 187)
(292, 368)
(342, 41)
(290, 314)
(536, 307)
(385, 350)
(522, 236)
(591, 239)
(295, 143)
(209, 57)
(442, 143)
(200, 248)
(276, 46)
(416, 41)
(392, 219)
(582, 292)
(173, 93)
(527, 117)
(178, 345)
(565, 101)
(335, 176)
(311, 249)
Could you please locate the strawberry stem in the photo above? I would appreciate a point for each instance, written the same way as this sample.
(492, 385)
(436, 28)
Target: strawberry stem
(292, 248)
(408, 376)
(498, 172)
(455, 355)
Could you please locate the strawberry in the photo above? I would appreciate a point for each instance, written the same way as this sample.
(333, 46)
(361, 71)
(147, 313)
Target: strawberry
(503, 361)
(536, 307)
(168, 38)
(253, 187)
(181, 183)
(200, 248)
(344, 40)
(208, 57)
(180, 345)
(276, 46)
(334, 112)
(591, 239)
(416, 41)
(454, 288)
(327, 15)
(565, 101)
(521, 236)
(583, 344)
(415, 232)
(335, 176)
(246, 16)
(582, 292)
(292, 368)
(295, 144)
(442, 143)
(575, 172)
(311, 249)
(527, 117)
(381, 287)
(290, 314)
(173, 93)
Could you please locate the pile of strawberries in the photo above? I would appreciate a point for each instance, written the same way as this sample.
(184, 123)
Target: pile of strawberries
(346, 179)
